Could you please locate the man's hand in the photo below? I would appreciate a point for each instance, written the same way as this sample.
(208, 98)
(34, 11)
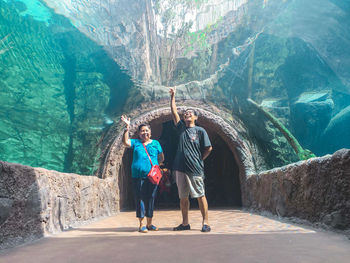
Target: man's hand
(207, 151)
(173, 108)
(172, 91)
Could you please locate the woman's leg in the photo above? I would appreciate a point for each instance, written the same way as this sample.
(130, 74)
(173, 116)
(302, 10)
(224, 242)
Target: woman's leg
(151, 196)
(141, 222)
(149, 221)
(149, 201)
(140, 205)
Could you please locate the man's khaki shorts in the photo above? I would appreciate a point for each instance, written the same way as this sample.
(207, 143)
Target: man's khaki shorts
(186, 185)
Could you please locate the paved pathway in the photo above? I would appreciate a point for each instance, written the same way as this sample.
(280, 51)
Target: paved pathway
(237, 236)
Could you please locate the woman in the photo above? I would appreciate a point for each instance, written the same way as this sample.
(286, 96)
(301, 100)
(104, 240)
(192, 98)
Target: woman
(144, 191)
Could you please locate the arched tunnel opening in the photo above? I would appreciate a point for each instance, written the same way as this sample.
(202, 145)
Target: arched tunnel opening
(222, 183)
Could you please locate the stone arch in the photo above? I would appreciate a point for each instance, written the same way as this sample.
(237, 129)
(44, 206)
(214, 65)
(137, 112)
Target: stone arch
(231, 132)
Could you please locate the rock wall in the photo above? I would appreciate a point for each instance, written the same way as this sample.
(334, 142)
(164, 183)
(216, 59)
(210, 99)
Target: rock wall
(35, 202)
(316, 190)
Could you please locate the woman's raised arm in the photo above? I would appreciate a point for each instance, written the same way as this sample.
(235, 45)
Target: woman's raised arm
(126, 140)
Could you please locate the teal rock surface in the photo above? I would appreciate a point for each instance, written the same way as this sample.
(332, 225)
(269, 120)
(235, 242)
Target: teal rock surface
(310, 115)
(337, 133)
(68, 71)
(57, 86)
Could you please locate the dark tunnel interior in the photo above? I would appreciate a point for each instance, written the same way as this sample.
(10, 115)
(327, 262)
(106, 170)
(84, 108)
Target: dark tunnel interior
(222, 182)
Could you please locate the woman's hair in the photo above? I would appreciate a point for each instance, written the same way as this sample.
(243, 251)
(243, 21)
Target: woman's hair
(142, 125)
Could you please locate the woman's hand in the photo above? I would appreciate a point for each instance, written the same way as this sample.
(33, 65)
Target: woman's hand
(126, 140)
(126, 120)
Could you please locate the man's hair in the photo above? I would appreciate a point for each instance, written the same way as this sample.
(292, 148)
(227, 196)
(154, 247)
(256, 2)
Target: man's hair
(195, 112)
(142, 125)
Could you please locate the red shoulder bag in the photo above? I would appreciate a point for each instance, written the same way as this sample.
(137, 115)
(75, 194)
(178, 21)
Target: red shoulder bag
(155, 174)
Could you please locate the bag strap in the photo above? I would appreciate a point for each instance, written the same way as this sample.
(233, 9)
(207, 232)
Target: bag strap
(147, 154)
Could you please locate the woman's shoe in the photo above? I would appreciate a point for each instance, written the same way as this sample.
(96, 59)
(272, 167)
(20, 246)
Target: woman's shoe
(143, 229)
(152, 228)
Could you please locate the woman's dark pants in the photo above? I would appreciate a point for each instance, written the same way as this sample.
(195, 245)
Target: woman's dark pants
(144, 193)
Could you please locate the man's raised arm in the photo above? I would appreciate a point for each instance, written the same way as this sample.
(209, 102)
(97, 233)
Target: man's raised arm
(176, 117)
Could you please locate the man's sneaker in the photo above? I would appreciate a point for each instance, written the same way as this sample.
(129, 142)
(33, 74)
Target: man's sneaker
(182, 227)
(206, 228)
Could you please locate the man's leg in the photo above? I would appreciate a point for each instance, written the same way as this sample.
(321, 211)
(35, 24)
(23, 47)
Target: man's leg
(198, 191)
(185, 207)
(203, 206)
(183, 190)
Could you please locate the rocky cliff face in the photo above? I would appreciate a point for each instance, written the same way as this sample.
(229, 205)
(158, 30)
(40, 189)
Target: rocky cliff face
(63, 62)
(148, 37)
(57, 89)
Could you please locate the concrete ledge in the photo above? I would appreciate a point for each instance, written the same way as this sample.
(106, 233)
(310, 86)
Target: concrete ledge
(35, 202)
(317, 190)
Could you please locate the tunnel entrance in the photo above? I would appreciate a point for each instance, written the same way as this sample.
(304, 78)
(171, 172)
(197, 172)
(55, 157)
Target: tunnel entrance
(221, 170)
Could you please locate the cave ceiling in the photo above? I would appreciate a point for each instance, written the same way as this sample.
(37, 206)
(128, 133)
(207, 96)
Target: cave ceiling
(160, 42)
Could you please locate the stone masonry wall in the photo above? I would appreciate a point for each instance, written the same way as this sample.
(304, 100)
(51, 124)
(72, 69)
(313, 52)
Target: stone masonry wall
(317, 190)
(35, 202)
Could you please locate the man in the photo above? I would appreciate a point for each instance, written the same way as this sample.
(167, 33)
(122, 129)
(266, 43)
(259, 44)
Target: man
(194, 146)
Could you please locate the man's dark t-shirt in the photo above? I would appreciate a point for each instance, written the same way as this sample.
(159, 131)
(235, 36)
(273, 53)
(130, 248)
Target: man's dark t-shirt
(192, 141)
